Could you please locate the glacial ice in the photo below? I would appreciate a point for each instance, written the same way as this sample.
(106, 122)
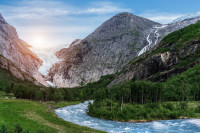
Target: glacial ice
(47, 55)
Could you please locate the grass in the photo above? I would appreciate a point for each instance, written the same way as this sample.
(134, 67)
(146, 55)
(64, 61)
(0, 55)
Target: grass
(3, 95)
(37, 116)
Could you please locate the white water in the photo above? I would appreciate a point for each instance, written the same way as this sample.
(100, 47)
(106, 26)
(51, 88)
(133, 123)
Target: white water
(150, 42)
(47, 55)
(77, 114)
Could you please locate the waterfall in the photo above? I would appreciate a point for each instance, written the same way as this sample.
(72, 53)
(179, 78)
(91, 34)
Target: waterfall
(150, 42)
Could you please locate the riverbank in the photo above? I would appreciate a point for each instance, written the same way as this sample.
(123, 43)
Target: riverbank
(135, 113)
(77, 114)
(33, 117)
(143, 121)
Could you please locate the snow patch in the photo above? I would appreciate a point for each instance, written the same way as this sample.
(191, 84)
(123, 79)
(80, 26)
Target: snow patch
(188, 16)
(51, 84)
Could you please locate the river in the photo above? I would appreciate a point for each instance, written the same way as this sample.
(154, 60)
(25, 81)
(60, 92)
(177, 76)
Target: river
(77, 115)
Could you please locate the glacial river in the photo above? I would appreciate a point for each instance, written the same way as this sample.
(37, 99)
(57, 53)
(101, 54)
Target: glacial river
(77, 114)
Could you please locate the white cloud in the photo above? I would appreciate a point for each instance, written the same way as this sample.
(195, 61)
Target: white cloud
(163, 18)
(62, 22)
(55, 17)
(105, 7)
(42, 9)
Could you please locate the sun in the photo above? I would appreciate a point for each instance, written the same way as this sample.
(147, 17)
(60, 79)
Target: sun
(38, 41)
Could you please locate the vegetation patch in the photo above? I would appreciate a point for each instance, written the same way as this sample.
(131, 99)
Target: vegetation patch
(35, 117)
(121, 102)
(144, 112)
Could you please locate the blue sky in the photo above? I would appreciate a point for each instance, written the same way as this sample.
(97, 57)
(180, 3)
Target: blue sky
(53, 22)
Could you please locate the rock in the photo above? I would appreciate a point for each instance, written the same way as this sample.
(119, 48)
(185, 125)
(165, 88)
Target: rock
(105, 51)
(16, 57)
(14, 98)
(111, 47)
(160, 66)
(6, 98)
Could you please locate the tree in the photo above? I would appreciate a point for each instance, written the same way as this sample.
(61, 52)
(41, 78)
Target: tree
(3, 129)
(57, 95)
(9, 88)
(100, 95)
(125, 93)
(38, 95)
(111, 95)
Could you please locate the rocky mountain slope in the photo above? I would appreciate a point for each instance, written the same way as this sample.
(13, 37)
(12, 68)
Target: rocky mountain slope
(187, 16)
(16, 57)
(176, 53)
(158, 33)
(107, 50)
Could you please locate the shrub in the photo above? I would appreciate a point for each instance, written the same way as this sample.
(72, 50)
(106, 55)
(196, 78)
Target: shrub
(18, 128)
(3, 129)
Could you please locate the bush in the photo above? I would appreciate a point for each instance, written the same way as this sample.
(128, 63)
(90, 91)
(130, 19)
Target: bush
(169, 106)
(18, 128)
(197, 110)
(3, 129)
(183, 106)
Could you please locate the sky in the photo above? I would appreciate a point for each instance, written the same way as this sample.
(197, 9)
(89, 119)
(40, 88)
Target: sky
(45, 23)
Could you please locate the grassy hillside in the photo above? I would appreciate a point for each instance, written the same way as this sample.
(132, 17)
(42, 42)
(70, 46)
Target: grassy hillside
(183, 36)
(183, 52)
(36, 117)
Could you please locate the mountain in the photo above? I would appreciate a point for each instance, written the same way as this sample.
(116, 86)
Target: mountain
(158, 33)
(105, 51)
(188, 16)
(176, 53)
(16, 57)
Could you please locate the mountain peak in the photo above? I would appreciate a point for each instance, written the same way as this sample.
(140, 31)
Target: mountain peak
(185, 17)
(121, 23)
(124, 14)
(2, 20)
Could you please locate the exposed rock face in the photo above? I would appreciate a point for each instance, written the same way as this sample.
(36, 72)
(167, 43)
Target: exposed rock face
(107, 50)
(161, 66)
(159, 32)
(15, 56)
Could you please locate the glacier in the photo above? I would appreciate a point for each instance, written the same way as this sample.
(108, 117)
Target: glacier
(47, 55)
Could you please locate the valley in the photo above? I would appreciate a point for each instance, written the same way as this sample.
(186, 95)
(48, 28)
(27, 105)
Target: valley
(130, 74)
(32, 116)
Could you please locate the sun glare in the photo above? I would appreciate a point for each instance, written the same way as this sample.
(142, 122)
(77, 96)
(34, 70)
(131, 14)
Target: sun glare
(39, 41)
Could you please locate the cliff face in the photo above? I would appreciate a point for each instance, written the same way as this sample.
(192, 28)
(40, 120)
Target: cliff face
(159, 32)
(16, 57)
(107, 50)
(176, 53)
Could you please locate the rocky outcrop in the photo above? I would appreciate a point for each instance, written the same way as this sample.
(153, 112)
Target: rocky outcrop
(159, 32)
(159, 66)
(106, 51)
(16, 57)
